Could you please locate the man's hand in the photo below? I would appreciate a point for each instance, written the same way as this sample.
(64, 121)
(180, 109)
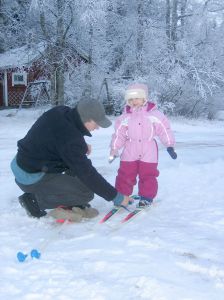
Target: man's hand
(123, 200)
(127, 200)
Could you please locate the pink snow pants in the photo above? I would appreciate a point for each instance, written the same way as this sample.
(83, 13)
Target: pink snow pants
(127, 178)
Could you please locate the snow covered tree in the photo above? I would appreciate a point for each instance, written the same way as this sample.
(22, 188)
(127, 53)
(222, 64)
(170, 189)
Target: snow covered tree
(14, 23)
(175, 46)
(56, 18)
(2, 21)
(182, 71)
(115, 16)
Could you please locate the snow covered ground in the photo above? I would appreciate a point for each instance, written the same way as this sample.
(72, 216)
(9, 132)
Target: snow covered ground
(173, 252)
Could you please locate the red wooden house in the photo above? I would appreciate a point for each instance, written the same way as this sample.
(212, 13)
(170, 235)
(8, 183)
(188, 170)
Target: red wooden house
(22, 65)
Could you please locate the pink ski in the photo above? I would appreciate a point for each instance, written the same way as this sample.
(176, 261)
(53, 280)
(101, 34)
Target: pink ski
(112, 212)
(132, 214)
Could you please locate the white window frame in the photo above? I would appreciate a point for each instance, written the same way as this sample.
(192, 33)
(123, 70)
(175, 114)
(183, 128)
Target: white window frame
(21, 82)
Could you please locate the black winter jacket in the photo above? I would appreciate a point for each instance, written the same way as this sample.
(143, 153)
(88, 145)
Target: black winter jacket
(56, 143)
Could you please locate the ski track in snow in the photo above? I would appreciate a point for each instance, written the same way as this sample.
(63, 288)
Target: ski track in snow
(172, 252)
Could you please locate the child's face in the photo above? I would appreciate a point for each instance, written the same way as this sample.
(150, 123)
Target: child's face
(136, 102)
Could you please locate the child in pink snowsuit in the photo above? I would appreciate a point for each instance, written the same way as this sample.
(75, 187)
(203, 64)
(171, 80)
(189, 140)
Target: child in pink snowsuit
(135, 132)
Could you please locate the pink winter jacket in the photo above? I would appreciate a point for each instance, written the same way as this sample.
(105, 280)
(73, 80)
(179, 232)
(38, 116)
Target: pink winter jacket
(135, 132)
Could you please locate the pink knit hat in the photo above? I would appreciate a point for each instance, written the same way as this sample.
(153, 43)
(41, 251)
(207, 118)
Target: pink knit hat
(137, 90)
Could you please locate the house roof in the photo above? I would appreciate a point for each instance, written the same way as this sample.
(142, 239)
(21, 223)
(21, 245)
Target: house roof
(24, 56)
(20, 57)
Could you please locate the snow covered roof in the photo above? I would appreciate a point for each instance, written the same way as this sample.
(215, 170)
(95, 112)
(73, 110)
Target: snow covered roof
(25, 55)
(20, 57)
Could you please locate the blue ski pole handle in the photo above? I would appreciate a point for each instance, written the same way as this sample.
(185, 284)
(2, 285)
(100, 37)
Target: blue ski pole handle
(33, 254)
(21, 256)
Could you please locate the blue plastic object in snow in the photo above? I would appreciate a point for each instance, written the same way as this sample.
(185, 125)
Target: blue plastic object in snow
(21, 256)
(35, 254)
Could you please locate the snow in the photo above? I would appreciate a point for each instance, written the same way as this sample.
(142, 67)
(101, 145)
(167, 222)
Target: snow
(173, 252)
(21, 56)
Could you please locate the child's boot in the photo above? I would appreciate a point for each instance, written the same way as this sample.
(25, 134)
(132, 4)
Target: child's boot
(144, 202)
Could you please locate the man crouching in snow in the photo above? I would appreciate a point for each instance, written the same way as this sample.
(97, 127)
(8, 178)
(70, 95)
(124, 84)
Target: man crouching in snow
(52, 168)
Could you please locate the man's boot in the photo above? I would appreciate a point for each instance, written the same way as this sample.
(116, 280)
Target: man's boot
(30, 204)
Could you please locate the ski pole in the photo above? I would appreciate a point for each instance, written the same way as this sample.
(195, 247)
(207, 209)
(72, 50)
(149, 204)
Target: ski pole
(36, 253)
